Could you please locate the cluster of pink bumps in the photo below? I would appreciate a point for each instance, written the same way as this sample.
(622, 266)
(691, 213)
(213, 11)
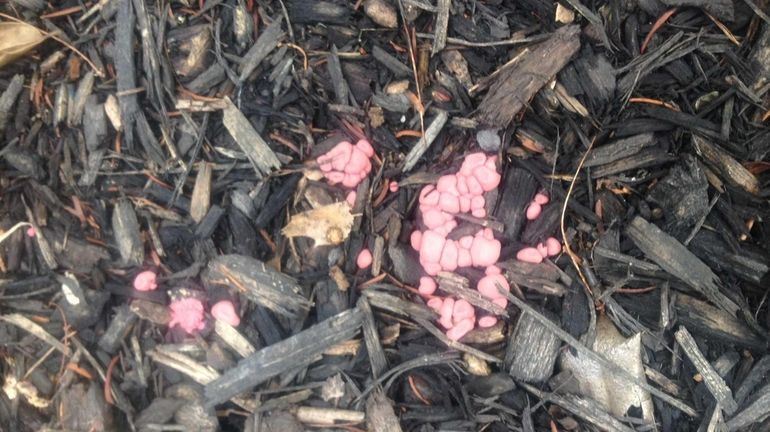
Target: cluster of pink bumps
(462, 192)
(347, 164)
(188, 312)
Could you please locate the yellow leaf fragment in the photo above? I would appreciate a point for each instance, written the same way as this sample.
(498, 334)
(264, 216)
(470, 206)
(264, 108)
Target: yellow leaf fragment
(327, 225)
(16, 39)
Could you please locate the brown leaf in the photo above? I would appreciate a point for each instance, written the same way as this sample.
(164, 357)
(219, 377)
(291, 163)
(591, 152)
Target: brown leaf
(327, 225)
(16, 39)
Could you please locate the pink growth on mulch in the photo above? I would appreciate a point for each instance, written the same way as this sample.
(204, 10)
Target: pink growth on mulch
(346, 163)
(146, 281)
(224, 310)
(31, 232)
(364, 259)
(188, 314)
(461, 192)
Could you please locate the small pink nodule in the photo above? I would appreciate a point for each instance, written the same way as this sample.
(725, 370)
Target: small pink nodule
(435, 303)
(534, 210)
(431, 247)
(487, 321)
(427, 286)
(224, 311)
(530, 255)
(553, 246)
(492, 270)
(489, 286)
(393, 186)
(188, 314)
(541, 198)
(351, 198)
(460, 329)
(462, 310)
(543, 249)
(31, 232)
(416, 239)
(146, 281)
(364, 259)
(446, 313)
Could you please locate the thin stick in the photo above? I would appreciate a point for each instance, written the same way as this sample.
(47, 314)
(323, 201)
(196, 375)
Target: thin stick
(97, 71)
(574, 258)
(413, 61)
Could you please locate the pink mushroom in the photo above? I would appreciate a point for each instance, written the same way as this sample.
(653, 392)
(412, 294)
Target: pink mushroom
(224, 311)
(146, 281)
(364, 259)
(187, 313)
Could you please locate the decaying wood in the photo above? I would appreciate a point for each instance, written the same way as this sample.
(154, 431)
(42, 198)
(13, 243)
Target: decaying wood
(283, 356)
(119, 327)
(732, 171)
(531, 340)
(431, 132)
(125, 226)
(257, 282)
(201, 196)
(518, 81)
(714, 382)
(380, 416)
(251, 143)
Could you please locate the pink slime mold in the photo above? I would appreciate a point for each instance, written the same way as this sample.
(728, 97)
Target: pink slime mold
(31, 232)
(347, 163)
(364, 259)
(146, 281)
(188, 314)
(462, 192)
(224, 310)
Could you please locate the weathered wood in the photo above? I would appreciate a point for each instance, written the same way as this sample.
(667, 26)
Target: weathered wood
(431, 132)
(256, 149)
(458, 286)
(372, 339)
(125, 228)
(201, 195)
(531, 340)
(673, 257)
(518, 80)
(283, 356)
(441, 23)
(619, 149)
(380, 416)
(715, 384)
(756, 411)
(732, 171)
(266, 43)
(257, 282)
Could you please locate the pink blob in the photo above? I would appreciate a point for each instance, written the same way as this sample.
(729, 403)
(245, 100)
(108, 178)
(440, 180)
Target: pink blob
(364, 259)
(446, 313)
(359, 162)
(479, 213)
(340, 155)
(188, 314)
(335, 177)
(487, 321)
(465, 203)
(553, 246)
(533, 211)
(466, 242)
(429, 196)
(474, 187)
(416, 239)
(488, 178)
(433, 218)
(225, 311)
(146, 281)
(326, 167)
(472, 161)
(462, 184)
(530, 255)
(461, 329)
(427, 286)
(541, 198)
(350, 180)
(435, 303)
(487, 286)
(484, 252)
(447, 183)
(492, 270)
(464, 258)
(432, 246)
(393, 186)
(542, 249)
(501, 301)
(462, 310)
(449, 256)
(351, 198)
(431, 269)
(366, 147)
(449, 203)
(31, 232)
(477, 202)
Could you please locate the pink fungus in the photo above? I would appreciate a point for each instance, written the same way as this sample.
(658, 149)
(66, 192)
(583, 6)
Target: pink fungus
(479, 213)
(541, 198)
(530, 255)
(460, 329)
(224, 311)
(346, 163)
(188, 314)
(416, 239)
(492, 270)
(427, 286)
(553, 246)
(449, 256)
(501, 301)
(462, 310)
(534, 210)
(31, 232)
(432, 246)
(146, 281)
(351, 198)
(364, 259)
(393, 186)
(474, 186)
(484, 252)
(435, 303)
(542, 249)
(488, 286)
(464, 258)
(487, 321)
(447, 309)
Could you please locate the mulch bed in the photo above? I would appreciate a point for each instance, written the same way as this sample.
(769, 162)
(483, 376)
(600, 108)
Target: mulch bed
(181, 141)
